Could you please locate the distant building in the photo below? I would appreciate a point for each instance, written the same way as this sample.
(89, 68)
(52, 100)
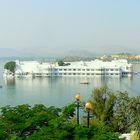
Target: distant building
(137, 57)
(79, 69)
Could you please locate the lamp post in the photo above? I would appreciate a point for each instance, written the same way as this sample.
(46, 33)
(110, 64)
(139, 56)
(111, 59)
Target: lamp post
(77, 97)
(88, 107)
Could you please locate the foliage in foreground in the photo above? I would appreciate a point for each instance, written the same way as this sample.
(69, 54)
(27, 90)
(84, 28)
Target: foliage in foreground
(116, 109)
(42, 123)
(111, 113)
(103, 101)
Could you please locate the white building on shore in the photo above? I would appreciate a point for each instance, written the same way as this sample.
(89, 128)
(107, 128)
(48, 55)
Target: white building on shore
(79, 68)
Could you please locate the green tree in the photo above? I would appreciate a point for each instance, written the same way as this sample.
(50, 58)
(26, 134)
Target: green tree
(105, 132)
(126, 111)
(136, 132)
(61, 63)
(69, 111)
(42, 123)
(103, 101)
(10, 66)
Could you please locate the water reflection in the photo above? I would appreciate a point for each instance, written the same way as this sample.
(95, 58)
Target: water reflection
(9, 81)
(116, 83)
(59, 91)
(126, 82)
(112, 82)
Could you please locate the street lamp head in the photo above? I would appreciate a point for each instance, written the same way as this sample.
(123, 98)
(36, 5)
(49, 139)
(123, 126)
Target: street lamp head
(77, 97)
(88, 106)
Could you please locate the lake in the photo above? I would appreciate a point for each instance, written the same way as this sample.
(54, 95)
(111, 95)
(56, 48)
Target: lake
(58, 91)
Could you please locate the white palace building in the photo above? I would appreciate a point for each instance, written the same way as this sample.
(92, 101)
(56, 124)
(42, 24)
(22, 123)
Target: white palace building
(79, 68)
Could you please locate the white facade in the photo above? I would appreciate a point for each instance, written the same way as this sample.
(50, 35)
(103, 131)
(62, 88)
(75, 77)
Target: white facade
(79, 68)
(126, 136)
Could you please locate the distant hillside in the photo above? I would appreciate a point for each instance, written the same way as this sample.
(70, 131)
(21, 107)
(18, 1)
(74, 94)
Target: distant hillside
(77, 58)
(81, 53)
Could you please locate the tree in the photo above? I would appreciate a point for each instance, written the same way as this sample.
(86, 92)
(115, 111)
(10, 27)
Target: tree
(103, 101)
(10, 66)
(61, 63)
(126, 112)
(42, 123)
(136, 132)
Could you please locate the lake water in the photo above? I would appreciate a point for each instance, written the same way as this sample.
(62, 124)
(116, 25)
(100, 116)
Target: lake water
(59, 91)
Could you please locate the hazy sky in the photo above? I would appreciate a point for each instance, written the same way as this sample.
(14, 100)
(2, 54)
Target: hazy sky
(41, 27)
